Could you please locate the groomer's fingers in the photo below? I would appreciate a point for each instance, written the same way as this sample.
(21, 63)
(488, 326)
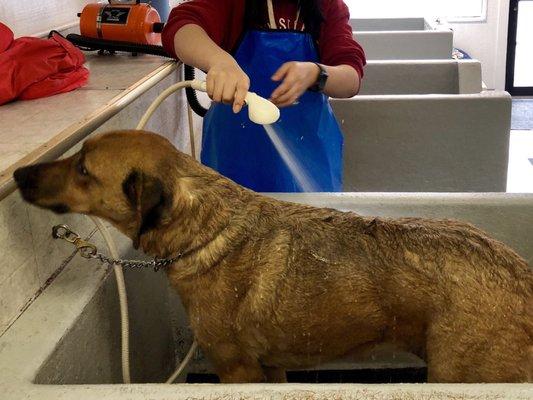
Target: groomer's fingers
(289, 97)
(228, 94)
(240, 95)
(283, 88)
(282, 71)
(210, 85)
(218, 91)
(288, 84)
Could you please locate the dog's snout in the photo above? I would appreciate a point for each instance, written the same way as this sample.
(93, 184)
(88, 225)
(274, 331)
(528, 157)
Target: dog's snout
(26, 176)
(27, 179)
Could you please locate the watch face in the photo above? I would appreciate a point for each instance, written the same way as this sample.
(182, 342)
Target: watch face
(322, 79)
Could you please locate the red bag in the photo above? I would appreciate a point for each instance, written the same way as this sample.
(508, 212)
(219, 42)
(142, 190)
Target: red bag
(6, 37)
(31, 68)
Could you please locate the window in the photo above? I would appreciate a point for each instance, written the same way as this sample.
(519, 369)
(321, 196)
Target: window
(451, 10)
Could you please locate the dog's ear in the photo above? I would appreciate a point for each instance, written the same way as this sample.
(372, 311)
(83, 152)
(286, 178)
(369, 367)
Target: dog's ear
(148, 198)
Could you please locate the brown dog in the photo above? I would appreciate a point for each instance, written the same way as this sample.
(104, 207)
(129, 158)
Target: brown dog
(270, 285)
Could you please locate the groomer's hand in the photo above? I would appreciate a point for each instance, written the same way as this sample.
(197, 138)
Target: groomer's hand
(227, 83)
(295, 77)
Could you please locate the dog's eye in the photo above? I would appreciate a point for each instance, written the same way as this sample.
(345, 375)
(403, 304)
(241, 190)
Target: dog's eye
(82, 170)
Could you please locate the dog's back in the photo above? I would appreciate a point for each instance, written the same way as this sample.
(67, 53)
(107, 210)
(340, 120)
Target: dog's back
(446, 283)
(479, 294)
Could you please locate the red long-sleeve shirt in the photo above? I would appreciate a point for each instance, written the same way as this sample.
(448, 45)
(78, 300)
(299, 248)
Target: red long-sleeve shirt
(223, 20)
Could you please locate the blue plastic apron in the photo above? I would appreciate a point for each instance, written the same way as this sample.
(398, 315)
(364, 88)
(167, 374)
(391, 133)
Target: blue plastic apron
(243, 152)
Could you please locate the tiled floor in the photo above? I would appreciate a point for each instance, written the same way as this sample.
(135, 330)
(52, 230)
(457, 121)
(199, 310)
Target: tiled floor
(520, 175)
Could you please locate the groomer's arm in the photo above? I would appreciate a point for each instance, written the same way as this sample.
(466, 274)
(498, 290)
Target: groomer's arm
(195, 33)
(343, 57)
(226, 81)
(343, 81)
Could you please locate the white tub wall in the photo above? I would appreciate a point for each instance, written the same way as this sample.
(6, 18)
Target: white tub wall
(422, 77)
(30, 255)
(90, 353)
(402, 39)
(406, 45)
(470, 77)
(425, 143)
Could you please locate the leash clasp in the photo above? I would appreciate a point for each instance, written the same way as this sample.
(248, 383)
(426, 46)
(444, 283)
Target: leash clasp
(65, 233)
(86, 249)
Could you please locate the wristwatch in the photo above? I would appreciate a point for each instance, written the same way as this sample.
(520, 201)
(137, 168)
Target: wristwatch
(320, 83)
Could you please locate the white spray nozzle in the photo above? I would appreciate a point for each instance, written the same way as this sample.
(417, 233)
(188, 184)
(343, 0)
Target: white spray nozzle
(260, 110)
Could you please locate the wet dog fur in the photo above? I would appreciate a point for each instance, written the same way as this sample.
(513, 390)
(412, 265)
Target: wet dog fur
(270, 285)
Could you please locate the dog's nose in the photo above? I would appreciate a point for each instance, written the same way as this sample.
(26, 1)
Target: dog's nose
(25, 176)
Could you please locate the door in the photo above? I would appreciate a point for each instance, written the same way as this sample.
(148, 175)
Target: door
(519, 78)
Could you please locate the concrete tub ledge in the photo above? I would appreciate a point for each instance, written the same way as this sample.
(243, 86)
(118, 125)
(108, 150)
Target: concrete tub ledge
(66, 345)
(284, 392)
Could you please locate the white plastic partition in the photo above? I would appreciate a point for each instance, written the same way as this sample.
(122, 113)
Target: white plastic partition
(422, 77)
(426, 143)
(403, 39)
(425, 126)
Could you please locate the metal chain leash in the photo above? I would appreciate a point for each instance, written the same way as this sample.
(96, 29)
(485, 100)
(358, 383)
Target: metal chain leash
(90, 251)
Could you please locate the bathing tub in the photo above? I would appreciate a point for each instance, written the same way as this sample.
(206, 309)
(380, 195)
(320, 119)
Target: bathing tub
(403, 39)
(425, 126)
(65, 346)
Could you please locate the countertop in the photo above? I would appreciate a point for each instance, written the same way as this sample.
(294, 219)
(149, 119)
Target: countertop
(41, 130)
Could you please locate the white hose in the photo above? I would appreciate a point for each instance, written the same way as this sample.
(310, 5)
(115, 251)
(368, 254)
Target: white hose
(119, 274)
(157, 102)
(123, 300)
(183, 364)
(191, 131)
